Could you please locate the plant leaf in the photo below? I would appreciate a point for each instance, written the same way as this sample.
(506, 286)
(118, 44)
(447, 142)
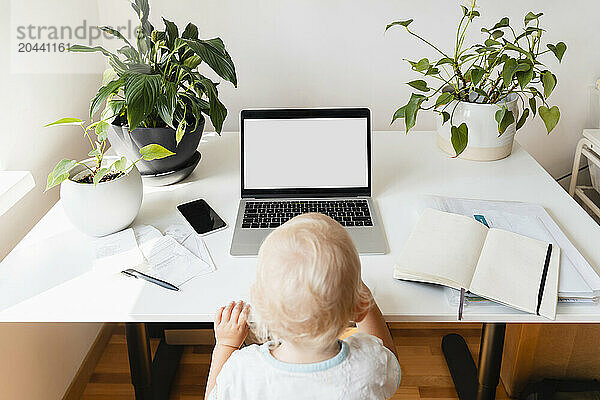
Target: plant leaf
(102, 130)
(559, 50)
(100, 174)
(180, 130)
(217, 112)
(412, 108)
(103, 93)
(167, 102)
(524, 77)
(531, 16)
(419, 84)
(504, 118)
(549, 116)
(172, 32)
(532, 105)
(421, 65)
(405, 23)
(112, 109)
(476, 75)
(141, 92)
(523, 119)
(398, 114)
(65, 121)
(190, 32)
(213, 52)
(503, 23)
(120, 164)
(60, 172)
(508, 72)
(154, 152)
(443, 99)
(445, 117)
(548, 82)
(459, 138)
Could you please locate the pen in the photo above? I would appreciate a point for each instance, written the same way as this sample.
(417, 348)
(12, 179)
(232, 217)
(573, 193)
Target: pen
(156, 281)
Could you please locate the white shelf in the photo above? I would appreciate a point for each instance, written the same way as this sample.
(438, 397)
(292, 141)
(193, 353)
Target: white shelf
(14, 185)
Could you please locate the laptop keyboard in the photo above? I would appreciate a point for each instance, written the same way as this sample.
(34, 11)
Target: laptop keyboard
(271, 214)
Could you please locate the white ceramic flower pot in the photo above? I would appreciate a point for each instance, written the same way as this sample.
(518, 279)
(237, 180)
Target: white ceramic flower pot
(105, 208)
(484, 142)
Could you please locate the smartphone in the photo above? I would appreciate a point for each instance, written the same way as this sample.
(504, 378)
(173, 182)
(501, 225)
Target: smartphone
(201, 217)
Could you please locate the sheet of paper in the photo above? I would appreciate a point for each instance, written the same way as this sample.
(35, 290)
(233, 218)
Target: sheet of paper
(191, 241)
(116, 252)
(577, 279)
(169, 261)
(145, 233)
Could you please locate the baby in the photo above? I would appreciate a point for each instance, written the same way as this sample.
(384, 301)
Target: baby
(308, 288)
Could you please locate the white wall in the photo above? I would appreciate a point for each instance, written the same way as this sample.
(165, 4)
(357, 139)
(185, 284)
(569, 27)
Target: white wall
(38, 361)
(334, 53)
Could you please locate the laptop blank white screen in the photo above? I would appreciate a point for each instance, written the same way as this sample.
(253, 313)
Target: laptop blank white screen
(305, 153)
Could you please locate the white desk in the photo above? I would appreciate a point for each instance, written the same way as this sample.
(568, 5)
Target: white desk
(48, 277)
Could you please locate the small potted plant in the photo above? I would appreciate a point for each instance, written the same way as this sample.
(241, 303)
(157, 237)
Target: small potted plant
(478, 88)
(157, 94)
(102, 194)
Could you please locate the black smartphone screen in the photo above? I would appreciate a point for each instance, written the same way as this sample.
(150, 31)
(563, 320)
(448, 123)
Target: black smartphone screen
(202, 218)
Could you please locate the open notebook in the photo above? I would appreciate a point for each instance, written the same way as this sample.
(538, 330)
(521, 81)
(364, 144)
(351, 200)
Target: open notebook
(457, 251)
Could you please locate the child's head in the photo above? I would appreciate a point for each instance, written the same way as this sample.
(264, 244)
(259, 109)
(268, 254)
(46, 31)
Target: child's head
(308, 283)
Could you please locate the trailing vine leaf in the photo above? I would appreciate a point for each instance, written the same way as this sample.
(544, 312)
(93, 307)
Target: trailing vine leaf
(120, 164)
(522, 119)
(459, 138)
(550, 116)
(504, 117)
(419, 85)
(102, 131)
(548, 82)
(99, 175)
(532, 105)
(59, 173)
(411, 109)
(443, 99)
(65, 121)
(154, 152)
(531, 16)
(510, 67)
(404, 23)
(559, 50)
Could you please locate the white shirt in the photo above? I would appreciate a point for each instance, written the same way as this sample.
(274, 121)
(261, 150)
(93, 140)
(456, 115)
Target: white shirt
(363, 369)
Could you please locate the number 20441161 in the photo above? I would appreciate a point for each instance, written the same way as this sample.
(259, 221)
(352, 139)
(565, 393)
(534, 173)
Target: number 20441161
(43, 47)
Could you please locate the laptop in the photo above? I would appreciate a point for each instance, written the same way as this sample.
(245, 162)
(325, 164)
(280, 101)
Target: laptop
(295, 161)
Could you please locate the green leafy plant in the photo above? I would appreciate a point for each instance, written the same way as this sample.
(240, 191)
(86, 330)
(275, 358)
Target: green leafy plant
(156, 83)
(506, 62)
(98, 173)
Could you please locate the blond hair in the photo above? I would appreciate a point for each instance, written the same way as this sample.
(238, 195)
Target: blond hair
(308, 282)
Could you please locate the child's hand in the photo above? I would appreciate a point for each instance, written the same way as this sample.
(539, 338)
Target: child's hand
(231, 327)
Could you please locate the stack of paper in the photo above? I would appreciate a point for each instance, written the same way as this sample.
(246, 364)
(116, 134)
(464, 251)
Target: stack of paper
(176, 257)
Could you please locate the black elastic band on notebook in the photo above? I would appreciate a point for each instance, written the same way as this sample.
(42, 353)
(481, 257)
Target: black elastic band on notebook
(543, 282)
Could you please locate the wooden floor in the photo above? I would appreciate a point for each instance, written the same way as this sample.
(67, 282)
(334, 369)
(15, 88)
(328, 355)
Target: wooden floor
(424, 371)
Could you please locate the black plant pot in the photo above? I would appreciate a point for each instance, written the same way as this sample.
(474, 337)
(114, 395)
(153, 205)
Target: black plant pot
(128, 143)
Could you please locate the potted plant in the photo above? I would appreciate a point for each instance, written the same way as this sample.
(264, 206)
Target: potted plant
(478, 88)
(155, 93)
(102, 194)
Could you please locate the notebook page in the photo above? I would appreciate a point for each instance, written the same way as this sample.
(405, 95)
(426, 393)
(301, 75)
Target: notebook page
(510, 271)
(443, 248)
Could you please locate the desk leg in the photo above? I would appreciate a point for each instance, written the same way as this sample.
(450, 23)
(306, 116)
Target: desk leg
(151, 378)
(471, 382)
